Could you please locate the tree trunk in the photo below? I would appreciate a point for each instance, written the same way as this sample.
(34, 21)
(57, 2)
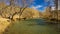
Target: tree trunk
(21, 11)
(11, 2)
(12, 16)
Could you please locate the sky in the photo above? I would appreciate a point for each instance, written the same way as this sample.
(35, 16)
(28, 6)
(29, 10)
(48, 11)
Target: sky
(42, 4)
(38, 4)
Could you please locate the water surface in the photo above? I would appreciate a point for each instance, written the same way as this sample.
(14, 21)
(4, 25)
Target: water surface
(33, 26)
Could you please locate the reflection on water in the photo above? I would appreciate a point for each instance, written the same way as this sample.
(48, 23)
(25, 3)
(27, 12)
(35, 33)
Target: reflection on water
(33, 26)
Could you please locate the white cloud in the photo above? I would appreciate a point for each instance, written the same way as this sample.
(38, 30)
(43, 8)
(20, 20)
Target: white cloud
(46, 0)
(53, 8)
(36, 7)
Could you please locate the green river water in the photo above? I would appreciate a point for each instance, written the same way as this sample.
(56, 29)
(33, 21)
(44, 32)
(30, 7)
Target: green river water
(33, 26)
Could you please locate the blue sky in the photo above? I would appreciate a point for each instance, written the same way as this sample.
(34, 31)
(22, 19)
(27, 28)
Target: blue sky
(39, 4)
(42, 3)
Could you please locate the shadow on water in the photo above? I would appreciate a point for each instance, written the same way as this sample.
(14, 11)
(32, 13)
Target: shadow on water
(42, 22)
(37, 22)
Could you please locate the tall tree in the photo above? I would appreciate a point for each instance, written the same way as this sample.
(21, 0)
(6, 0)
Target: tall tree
(56, 9)
(12, 2)
(23, 5)
(48, 9)
(56, 4)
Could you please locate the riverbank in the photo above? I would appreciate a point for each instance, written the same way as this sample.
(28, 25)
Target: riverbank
(3, 24)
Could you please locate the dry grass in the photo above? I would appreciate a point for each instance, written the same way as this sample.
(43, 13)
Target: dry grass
(3, 24)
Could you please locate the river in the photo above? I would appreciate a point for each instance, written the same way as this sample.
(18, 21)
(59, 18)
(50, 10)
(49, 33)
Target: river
(33, 26)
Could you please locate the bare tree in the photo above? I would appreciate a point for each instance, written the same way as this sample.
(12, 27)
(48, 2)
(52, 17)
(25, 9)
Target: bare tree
(48, 12)
(11, 2)
(56, 9)
(56, 4)
(55, 13)
(24, 4)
